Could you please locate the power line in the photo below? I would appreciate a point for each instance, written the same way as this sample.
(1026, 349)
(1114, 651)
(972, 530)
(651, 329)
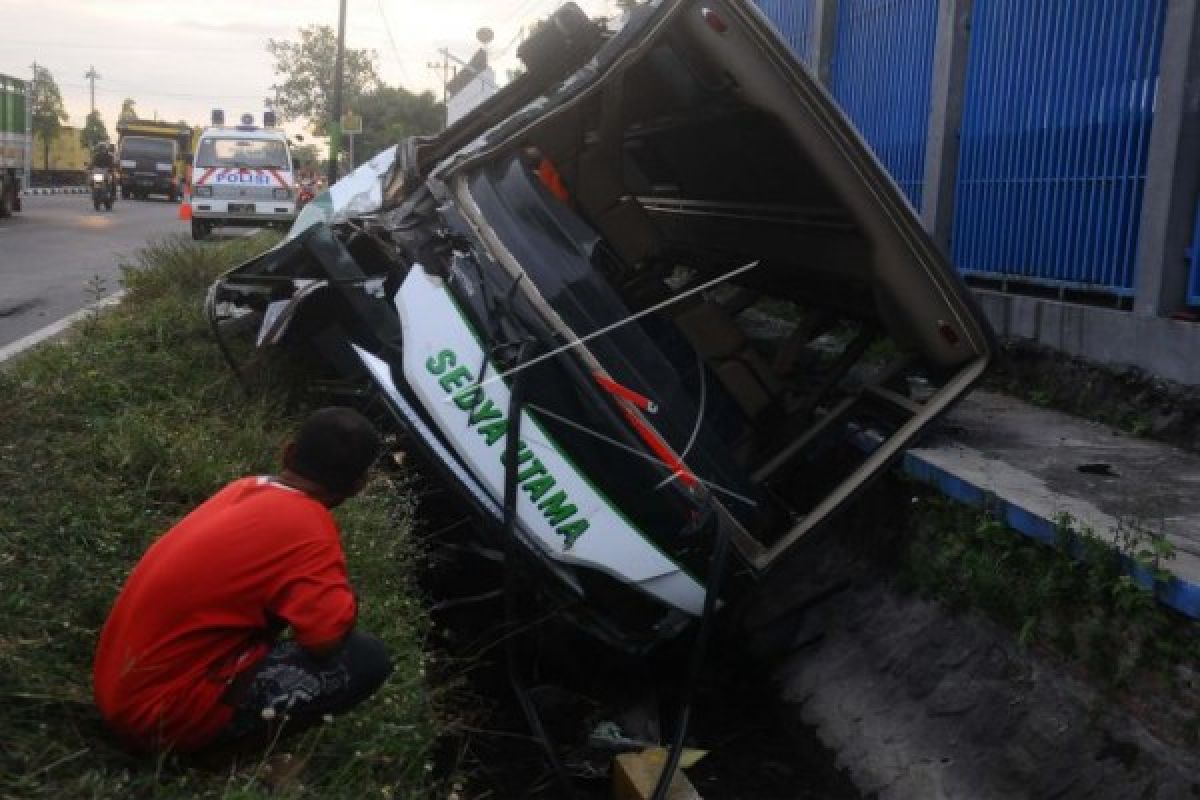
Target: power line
(504, 51)
(149, 93)
(122, 47)
(391, 40)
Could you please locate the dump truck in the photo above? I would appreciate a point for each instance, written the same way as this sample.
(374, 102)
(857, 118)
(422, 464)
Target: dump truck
(154, 157)
(16, 142)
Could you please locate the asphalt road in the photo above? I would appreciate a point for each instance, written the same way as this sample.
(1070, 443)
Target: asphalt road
(55, 253)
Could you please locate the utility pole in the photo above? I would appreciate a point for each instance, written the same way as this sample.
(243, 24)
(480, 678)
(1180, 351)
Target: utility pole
(445, 69)
(92, 76)
(335, 124)
(29, 129)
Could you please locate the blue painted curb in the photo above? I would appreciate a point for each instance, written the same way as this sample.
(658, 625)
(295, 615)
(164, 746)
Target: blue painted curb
(1179, 594)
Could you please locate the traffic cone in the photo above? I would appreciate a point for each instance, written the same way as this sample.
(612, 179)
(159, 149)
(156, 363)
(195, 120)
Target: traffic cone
(185, 205)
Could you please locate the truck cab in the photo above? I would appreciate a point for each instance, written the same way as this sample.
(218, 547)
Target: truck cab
(242, 176)
(152, 157)
(16, 142)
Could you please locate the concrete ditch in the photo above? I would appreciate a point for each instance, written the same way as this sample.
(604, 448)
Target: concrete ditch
(917, 702)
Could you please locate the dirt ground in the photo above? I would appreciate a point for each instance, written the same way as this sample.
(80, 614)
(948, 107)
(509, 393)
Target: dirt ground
(1128, 399)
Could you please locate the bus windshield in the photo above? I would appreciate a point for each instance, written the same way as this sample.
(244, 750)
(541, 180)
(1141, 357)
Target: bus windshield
(233, 152)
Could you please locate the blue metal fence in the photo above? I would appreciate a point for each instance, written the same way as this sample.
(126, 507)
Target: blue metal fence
(1056, 126)
(794, 19)
(1193, 295)
(882, 75)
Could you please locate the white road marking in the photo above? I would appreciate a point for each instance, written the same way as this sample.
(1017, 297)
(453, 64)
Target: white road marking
(56, 328)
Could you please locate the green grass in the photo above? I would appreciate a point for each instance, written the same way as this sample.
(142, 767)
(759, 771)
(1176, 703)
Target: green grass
(1074, 599)
(109, 436)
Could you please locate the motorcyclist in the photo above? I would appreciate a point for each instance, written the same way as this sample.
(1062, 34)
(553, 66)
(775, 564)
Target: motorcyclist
(104, 157)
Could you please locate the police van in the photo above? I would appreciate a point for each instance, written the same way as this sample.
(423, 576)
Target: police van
(242, 176)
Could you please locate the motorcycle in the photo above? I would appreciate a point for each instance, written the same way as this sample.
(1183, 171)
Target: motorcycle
(307, 191)
(104, 189)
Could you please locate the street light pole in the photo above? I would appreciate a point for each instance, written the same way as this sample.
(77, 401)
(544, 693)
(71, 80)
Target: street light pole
(335, 124)
(92, 76)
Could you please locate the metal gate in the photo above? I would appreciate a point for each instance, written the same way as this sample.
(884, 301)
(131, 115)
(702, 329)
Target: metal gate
(882, 74)
(1056, 127)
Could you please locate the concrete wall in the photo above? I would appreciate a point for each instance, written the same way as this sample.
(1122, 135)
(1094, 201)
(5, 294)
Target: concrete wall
(462, 102)
(1168, 348)
(66, 151)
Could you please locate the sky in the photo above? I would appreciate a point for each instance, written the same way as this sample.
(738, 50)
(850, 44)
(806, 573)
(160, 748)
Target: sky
(181, 58)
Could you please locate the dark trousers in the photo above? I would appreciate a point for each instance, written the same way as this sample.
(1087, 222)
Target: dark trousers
(292, 689)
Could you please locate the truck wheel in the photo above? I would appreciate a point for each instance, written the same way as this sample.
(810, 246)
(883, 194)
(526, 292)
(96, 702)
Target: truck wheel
(200, 230)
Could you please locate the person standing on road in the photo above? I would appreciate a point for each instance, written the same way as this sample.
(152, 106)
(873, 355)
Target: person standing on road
(190, 656)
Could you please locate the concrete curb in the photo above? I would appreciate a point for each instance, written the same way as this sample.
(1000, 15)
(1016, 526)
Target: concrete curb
(54, 329)
(54, 190)
(1177, 593)
(924, 465)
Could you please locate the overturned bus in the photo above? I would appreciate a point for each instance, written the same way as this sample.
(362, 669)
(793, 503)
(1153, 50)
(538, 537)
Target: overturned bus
(652, 303)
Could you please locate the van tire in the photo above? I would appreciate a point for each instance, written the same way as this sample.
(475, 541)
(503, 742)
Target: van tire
(200, 230)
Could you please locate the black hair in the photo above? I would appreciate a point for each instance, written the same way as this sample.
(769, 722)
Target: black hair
(335, 447)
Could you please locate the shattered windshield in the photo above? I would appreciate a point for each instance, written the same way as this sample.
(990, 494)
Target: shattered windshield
(232, 152)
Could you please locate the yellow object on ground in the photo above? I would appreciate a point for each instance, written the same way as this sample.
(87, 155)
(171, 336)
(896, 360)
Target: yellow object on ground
(636, 774)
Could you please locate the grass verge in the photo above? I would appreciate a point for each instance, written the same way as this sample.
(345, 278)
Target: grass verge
(108, 437)
(1074, 600)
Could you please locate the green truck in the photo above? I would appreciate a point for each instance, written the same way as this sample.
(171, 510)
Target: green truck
(16, 142)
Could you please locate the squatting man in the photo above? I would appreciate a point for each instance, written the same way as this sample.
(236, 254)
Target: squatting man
(191, 656)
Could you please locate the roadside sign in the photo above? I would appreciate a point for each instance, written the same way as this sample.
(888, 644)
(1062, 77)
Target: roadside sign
(351, 123)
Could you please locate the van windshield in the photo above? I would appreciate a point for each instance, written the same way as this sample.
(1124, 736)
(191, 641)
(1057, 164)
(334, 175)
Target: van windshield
(133, 147)
(232, 152)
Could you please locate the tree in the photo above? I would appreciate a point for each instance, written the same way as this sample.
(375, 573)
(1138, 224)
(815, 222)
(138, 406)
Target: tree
(390, 114)
(306, 68)
(94, 131)
(48, 113)
(128, 110)
(306, 157)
